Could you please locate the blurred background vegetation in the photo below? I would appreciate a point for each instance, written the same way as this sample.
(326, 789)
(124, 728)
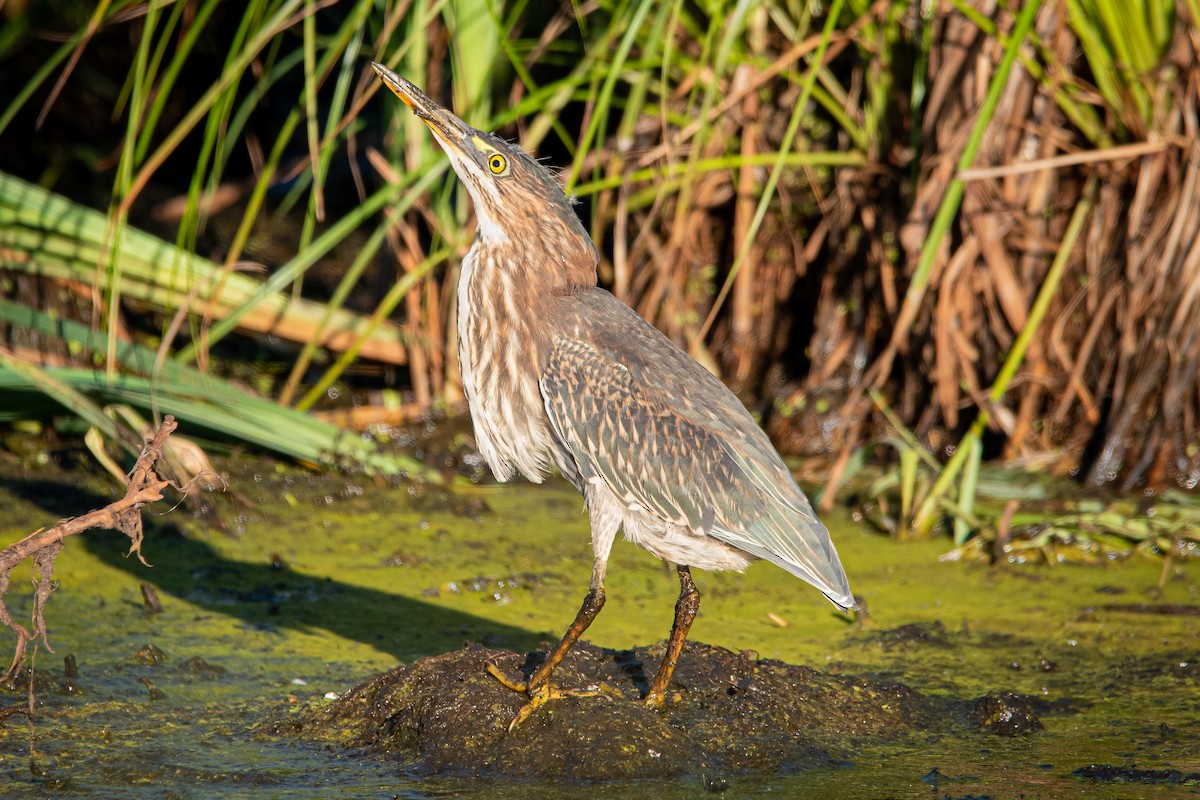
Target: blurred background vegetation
(928, 237)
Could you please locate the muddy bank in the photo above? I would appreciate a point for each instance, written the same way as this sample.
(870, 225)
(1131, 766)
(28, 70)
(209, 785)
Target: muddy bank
(727, 713)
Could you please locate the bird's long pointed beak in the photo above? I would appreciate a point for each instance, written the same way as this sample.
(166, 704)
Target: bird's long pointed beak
(449, 129)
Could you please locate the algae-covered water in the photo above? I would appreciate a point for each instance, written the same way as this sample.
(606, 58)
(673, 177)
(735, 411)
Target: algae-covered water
(320, 583)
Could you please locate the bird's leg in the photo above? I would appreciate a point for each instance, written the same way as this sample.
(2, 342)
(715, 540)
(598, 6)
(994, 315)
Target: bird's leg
(592, 603)
(604, 521)
(685, 611)
(538, 686)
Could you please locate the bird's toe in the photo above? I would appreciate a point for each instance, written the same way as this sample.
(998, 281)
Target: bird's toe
(516, 684)
(541, 694)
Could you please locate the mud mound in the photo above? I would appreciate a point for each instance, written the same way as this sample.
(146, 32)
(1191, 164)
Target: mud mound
(729, 712)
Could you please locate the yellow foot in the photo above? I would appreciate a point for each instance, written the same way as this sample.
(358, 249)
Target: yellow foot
(538, 696)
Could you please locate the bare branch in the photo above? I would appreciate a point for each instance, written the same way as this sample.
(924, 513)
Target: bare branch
(144, 486)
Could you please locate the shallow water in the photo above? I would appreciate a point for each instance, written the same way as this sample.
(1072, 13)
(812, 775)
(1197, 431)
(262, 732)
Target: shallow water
(327, 582)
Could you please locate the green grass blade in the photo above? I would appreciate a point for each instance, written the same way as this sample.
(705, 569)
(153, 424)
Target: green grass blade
(948, 208)
(764, 202)
(925, 514)
(16, 372)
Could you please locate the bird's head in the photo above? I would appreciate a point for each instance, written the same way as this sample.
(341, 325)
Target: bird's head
(516, 198)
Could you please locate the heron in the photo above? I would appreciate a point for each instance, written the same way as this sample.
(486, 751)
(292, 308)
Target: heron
(558, 372)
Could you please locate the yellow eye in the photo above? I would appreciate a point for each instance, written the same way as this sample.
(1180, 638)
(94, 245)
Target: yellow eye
(497, 163)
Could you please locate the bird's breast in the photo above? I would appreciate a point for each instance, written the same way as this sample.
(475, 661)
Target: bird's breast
(499, 360)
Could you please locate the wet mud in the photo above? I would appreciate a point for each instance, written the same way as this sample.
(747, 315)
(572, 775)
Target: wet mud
(726, 712)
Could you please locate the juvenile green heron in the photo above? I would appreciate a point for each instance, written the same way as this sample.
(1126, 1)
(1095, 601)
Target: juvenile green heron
(559, 372)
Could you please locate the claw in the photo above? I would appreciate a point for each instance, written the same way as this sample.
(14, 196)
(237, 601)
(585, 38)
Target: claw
(539, 697)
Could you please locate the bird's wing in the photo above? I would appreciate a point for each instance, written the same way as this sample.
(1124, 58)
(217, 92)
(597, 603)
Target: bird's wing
(648, 446)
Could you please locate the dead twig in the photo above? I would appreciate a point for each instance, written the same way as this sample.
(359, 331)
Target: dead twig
(1074, 159)
(144, 486)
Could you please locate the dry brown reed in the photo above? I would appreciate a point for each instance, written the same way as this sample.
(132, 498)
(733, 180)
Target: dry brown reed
(808, 309)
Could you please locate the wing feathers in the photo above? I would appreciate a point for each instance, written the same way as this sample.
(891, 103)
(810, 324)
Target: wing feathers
(650, 454)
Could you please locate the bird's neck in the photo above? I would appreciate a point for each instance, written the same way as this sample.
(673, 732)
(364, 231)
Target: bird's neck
(508, 291)
(551, 259)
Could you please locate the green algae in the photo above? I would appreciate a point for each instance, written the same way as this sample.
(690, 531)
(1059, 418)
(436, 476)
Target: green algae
(327, 581)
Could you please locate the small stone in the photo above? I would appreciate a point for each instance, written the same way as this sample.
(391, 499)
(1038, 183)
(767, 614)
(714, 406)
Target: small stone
(150, 601)
(199, 668)
(155, 692)
(1005, 714)
(150, 655)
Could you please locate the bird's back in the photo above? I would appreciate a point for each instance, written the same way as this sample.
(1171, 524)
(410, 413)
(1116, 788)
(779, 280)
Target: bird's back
(638, 413)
